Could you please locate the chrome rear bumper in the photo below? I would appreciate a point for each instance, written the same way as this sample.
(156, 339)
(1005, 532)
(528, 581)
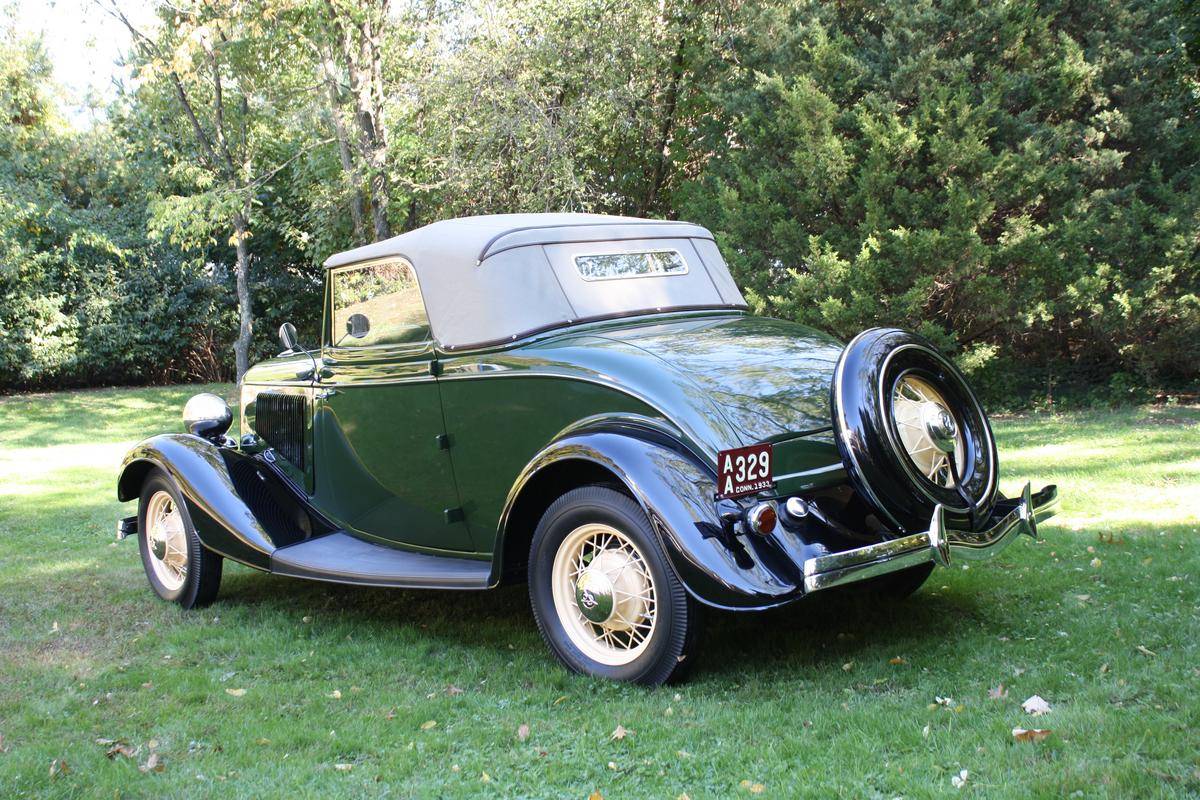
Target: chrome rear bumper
(1010, 519)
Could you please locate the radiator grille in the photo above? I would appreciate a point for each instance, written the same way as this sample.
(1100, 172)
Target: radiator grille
(280, 420)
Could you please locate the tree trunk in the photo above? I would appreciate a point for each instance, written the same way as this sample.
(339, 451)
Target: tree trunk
(658, 173)
(358, 203)
(241, 347)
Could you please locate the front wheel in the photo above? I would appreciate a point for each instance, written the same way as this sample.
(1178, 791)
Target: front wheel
(605, 599)
(178, 567)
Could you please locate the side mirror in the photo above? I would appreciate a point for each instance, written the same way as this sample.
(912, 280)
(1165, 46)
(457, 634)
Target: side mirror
(358, 325)
(287, 337)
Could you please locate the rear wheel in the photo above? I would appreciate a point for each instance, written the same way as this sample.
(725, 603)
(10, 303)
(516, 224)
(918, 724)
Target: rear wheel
(605, 599)
(178, 567)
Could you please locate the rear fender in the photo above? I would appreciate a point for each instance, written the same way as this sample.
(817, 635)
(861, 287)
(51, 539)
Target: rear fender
(677, 490)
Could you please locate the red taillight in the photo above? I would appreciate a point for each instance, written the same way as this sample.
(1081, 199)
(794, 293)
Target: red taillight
(762, 518)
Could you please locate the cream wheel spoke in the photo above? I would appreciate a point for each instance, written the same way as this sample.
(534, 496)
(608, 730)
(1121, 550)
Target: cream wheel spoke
(166, 541)
(604, 593)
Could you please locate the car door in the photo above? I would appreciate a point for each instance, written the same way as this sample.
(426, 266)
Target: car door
(383, 463)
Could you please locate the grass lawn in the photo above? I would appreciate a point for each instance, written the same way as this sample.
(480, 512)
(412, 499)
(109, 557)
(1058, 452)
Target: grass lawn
(289, 688)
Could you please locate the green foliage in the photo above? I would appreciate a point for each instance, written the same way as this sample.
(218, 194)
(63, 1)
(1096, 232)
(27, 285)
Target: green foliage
(1018, 181)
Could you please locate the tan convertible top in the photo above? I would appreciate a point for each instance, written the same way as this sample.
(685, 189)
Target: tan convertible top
(491, 279)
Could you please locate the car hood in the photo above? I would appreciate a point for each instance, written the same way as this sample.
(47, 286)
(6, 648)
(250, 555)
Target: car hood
(768, 378)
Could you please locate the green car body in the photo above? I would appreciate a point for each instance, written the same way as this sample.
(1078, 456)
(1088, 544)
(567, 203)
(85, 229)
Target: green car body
(714, 380)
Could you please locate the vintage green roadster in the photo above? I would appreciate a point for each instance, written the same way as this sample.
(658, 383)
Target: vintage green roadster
(583, 403)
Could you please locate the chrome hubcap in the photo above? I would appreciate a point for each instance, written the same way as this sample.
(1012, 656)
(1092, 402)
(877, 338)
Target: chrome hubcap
(604, 594)
(928, 431)
(166, 539)
(594, 596)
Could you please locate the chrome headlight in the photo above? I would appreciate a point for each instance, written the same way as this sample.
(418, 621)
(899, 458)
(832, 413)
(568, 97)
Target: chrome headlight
(207, 416)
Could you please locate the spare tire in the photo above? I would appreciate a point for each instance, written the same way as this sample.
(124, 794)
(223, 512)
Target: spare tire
(906, 424)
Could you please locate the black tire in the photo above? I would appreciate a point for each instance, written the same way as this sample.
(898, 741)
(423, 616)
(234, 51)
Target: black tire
(672, 644)
(899, 584)
(868, 440)
(203, 577)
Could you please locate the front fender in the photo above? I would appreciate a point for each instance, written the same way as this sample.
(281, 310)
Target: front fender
(201, 471)
(677, 490)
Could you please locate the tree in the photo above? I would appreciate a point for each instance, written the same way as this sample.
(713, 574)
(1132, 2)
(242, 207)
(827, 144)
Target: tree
(220, 66)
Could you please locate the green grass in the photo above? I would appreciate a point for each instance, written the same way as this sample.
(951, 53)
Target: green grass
(804, 701)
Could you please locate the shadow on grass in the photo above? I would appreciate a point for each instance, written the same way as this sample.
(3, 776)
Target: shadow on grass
(820, 632)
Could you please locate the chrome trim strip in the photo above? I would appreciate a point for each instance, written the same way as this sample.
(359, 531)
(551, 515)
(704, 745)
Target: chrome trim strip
(807, 472)
(938, 544)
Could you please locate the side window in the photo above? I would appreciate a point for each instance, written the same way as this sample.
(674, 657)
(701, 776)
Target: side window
(377, 304)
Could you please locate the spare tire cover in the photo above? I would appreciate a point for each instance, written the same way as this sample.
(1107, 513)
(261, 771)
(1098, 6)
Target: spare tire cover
(879, 456)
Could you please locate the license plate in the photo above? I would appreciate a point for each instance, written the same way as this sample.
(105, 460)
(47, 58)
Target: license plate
(744, 470)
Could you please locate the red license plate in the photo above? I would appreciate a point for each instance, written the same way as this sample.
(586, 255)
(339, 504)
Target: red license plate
(744, 470)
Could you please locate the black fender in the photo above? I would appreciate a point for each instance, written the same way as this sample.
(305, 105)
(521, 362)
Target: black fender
(677, 490)
(242, 508)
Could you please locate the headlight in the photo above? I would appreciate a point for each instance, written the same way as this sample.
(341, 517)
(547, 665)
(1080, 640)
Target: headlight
(207, 416)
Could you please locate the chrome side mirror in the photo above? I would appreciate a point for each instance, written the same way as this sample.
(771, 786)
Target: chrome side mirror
(287, 337)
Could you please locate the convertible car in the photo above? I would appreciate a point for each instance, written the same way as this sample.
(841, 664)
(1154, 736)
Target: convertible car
(583, 403)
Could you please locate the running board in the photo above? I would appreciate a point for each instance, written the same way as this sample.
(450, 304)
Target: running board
(340, 558)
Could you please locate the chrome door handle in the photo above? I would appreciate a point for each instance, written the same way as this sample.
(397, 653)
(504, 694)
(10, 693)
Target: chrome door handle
(325, 394)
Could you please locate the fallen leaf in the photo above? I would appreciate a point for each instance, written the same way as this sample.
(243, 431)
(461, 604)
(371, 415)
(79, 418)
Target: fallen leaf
(1096, 562)
(59, 767)
(153, 764)
(897, 661)
(620, 733)
(485, 778)
(427, 724)
(119, 749)
(1030, 734)
(1036, 706)
(302, 619)
(752, 787)
(343, 767)
(54, 628)
(1141, 648)
(391, 714)
(3, 746)
(849, 665)
(1103, 668)
(684, 796)
(999, 693)
(235, 692)
(925, 732)
(595, 795)
(558, 700)
(263, 741)
(522, 732)
(612, 765)
(960, 780)
(453, 690)
(944, 701)
(336, 694)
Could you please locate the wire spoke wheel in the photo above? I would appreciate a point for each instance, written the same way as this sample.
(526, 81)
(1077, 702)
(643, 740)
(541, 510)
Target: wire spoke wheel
(918, 409)
(167, 541)
(604, 594)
